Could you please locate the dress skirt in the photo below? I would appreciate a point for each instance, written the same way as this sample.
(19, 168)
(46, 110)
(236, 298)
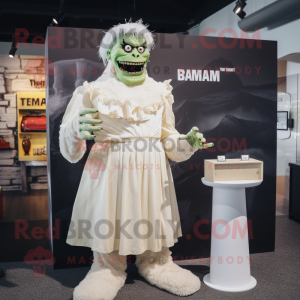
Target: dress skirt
(126, 199)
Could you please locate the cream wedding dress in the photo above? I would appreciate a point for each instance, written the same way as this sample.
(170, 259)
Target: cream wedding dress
(126, 199)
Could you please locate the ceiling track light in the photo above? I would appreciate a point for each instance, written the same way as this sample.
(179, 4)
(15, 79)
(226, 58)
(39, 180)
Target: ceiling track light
(58, 19)
(238, 10)
(13, 48)
(62, 14)
(12, 52)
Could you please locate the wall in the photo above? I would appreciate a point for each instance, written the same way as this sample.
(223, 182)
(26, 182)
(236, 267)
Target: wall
(289, 150)
(287, 141)
(285, 32)
(31, 49)
(17, 74)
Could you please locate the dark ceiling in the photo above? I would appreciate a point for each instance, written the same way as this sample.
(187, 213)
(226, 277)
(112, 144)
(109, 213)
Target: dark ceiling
(167, 16)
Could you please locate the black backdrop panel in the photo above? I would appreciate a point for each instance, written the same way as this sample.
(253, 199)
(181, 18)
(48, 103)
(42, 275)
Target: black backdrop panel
(236, 112)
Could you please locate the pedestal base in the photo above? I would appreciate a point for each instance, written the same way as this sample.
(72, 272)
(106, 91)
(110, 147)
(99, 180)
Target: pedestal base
(230, 268)
(247, 287)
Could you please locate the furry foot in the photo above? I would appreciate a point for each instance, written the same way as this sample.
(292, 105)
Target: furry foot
(105, 278)
(158, 268)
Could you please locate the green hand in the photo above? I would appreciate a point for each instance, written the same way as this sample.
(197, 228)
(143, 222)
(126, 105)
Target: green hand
(196, 139)
(86, 124)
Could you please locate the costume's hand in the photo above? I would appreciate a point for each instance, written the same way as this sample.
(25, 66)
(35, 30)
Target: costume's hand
(196, 139)
(86, 124)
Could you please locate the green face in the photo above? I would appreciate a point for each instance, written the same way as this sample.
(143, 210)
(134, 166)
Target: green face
(129, 56)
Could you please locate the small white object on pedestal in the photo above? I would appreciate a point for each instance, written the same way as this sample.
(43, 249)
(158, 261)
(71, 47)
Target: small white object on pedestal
(230, 259)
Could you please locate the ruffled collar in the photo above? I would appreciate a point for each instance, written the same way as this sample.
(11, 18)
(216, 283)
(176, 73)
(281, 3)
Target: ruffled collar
(133, 103)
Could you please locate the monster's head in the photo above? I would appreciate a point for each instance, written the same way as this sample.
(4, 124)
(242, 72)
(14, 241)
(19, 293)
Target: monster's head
(128, 47)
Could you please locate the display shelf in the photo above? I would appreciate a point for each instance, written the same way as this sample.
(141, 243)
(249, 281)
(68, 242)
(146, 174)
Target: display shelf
(36, 108)
(32, 157)
(29, 102)
(32, 132)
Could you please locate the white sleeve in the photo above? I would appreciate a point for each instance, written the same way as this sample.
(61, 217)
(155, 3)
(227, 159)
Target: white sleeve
(71, 146)
(176, 149)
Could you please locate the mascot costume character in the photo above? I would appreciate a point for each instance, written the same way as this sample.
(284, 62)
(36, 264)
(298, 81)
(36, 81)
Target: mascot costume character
(127, 198)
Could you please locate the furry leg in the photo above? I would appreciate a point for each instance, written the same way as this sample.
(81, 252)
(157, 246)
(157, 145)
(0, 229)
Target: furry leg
(104, 280)
(159, 269)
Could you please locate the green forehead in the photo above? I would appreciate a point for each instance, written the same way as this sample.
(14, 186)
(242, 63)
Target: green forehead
(133, 40)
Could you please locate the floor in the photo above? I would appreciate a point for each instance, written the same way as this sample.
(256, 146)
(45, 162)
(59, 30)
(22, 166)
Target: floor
(24, 212)
(277, 274)
(29, 206)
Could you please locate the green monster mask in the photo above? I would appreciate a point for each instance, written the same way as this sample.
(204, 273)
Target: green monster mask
(130, 55)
